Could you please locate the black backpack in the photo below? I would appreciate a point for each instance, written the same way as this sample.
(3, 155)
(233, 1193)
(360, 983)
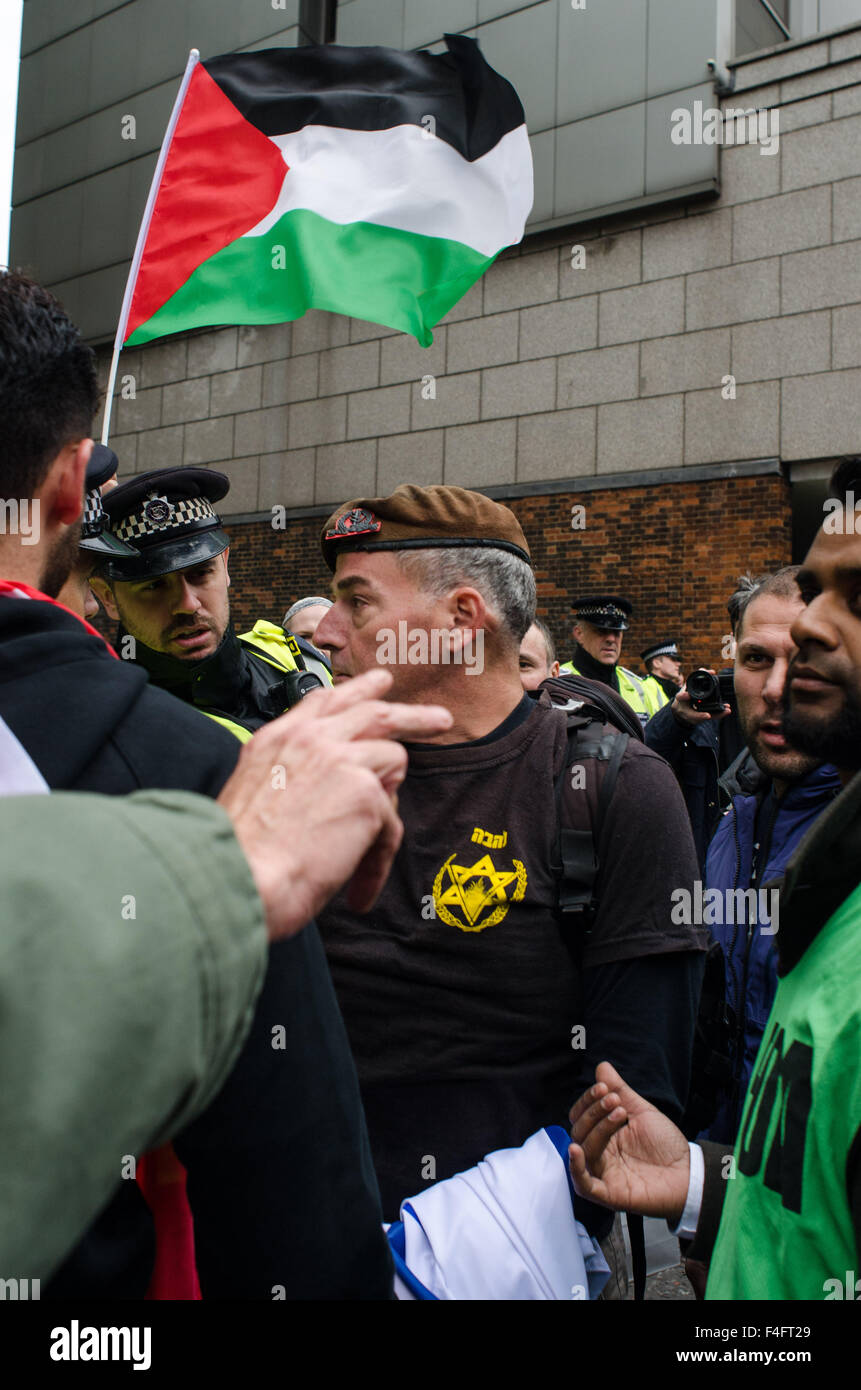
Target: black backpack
(600, 725)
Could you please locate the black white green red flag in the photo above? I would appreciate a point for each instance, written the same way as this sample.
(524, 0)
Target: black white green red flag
(365, 181)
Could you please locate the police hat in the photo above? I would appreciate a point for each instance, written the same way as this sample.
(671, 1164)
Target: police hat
(603, 610)
(167, 514)
(94, 534)
(667, 646)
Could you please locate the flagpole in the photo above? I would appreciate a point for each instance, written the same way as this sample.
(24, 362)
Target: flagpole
(193, 60)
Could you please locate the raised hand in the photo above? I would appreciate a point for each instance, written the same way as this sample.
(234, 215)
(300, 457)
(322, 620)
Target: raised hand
(626, 1154)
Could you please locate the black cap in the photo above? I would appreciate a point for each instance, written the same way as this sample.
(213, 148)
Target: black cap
(603, 610)
(101, 468)
(167, 514)
(666, 646)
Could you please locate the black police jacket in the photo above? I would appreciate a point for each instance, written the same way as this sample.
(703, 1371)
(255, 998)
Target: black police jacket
(232, 682)
(280, 1180)
(235, 683)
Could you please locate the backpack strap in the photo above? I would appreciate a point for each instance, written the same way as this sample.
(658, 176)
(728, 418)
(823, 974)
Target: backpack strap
(577, 864)
(637, 1237)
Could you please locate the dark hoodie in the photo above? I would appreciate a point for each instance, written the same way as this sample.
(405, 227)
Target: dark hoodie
(280, 1180)
(92, 723)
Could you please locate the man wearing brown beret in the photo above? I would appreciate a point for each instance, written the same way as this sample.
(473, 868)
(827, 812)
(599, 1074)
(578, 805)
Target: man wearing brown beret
(472, 1021)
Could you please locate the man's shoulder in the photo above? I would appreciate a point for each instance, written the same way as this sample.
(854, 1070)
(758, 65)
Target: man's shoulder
(178, 721)
(174, 746)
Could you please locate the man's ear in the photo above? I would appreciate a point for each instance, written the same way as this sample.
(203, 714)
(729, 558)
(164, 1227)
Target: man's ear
(103, 592)
(66, 482)
(224, 555)
(467, 608)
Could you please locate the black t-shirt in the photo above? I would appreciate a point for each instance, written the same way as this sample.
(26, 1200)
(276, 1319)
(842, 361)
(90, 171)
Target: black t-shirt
(460, 997)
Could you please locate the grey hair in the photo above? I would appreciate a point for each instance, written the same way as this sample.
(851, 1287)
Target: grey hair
(304, 603)
(782, 583)
(504, 581)
(548, 640)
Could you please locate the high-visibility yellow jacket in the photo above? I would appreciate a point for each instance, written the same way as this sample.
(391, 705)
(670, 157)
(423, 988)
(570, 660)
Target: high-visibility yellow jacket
(281, 650)
(644, 696)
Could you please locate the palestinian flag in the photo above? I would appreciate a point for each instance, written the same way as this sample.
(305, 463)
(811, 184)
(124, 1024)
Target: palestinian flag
(365, 181)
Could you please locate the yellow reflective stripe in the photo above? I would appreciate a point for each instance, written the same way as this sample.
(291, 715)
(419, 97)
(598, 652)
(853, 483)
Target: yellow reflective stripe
(630, 688)
(281, 661)
(238, 730)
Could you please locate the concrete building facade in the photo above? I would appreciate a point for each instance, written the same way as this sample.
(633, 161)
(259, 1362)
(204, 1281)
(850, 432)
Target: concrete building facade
(657, 379)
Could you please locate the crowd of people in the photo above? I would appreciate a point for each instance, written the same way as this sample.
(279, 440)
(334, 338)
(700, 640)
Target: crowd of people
(330, 927)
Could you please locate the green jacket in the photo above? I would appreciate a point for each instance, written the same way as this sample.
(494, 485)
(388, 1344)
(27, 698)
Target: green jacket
(790, 1227)
(124, 999)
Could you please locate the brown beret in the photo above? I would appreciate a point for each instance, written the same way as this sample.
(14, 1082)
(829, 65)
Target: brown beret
(419, 518)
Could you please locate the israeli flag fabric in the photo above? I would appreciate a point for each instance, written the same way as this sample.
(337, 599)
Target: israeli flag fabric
(19, 775)
(503, 1230)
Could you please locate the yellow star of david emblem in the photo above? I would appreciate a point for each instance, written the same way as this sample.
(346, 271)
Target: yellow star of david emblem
(475, 888)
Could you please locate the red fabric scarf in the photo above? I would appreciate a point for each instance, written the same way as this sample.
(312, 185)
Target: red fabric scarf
(16, 590)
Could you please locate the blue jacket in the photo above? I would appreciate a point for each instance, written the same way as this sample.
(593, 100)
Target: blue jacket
(750, 955)
(698, 755)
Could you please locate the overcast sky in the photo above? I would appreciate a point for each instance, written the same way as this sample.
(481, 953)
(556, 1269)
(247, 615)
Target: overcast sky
(10, 45)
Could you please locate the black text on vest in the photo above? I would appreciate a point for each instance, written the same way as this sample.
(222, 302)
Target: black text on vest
(779, 1103)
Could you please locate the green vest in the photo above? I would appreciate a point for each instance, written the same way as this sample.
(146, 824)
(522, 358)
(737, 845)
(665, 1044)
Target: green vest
(644, 697)
(275, 646)
(786, 1227)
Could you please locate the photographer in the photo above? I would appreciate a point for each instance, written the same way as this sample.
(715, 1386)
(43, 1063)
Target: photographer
(703, 746)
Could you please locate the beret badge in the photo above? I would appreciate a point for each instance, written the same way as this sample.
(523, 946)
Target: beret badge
(355, 523)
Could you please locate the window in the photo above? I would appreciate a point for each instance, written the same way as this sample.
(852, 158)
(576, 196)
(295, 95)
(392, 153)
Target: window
(760, 24)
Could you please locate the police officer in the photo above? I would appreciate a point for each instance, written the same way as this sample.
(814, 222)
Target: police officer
(663, 661)
(599, 621)
(96, 541)
(171, 599)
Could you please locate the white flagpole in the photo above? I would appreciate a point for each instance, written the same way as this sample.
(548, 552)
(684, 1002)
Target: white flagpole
(193, 60)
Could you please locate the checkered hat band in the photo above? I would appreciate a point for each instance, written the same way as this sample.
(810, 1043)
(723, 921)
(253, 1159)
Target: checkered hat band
(138, 525)
(593, 611)
(93, 519)
(669, 650)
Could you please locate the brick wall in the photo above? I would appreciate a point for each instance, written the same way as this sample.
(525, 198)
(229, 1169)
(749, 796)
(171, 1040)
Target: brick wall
(675, 551)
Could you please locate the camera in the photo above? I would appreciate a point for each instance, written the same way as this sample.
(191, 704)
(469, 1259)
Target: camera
(710, 693)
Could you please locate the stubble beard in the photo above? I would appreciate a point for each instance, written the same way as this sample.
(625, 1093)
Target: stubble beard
(61, 561)
(836, 741)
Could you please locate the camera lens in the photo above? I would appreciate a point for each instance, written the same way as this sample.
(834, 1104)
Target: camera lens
(703, 687)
